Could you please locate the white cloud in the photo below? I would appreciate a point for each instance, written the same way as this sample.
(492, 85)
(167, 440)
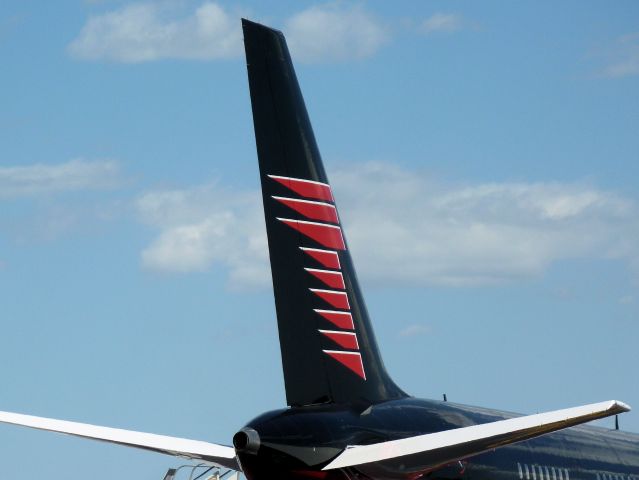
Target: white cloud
(333, 32)
(145, 31)
(404, 227)
(73, 175)
(442, 22)
(148, 31)
(207, 226)
(623, 57)
(627, 300)
(415, 330)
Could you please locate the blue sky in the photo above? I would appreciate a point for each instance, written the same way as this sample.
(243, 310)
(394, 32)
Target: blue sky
(496, 142)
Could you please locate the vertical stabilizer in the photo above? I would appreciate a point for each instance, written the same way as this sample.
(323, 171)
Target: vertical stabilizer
(329, 353)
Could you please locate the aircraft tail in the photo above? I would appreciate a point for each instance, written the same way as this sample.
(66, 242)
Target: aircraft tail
(329, 353)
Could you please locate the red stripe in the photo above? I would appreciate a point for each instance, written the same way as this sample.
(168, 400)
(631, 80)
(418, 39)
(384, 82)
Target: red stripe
(327, 235)
(336, 299)
(339, 319)
(351, 360)
(324, 212)
(309, 474)
(330, 278)
(346, 340)
(327, 258)
(306, 188)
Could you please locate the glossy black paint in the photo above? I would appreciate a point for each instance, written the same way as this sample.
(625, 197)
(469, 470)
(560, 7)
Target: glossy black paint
(296, 443)
(332, 408)
(286, 147)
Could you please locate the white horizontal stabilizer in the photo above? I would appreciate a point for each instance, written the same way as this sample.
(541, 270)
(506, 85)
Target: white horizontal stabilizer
(444, 447)
(179, 447)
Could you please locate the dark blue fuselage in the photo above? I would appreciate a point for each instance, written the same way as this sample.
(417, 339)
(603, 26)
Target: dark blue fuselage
(297, 442)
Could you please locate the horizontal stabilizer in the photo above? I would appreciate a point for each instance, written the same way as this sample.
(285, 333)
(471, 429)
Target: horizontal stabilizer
(179, 447)
(444, 447)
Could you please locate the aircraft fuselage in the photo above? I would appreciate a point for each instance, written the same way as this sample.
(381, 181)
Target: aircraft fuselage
(296, 443)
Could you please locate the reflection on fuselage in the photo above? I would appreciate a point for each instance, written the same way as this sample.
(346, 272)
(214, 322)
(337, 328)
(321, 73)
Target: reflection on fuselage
(578, 453)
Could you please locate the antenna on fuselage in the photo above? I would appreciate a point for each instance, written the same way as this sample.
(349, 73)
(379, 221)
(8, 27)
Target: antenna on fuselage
(445, 398)
(616, 422)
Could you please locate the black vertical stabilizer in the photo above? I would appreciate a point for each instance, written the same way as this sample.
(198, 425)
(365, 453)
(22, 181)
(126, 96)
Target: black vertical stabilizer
(329, 353)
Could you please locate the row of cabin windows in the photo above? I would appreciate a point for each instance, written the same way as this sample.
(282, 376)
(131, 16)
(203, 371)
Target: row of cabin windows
(615, 476)
(540, 472)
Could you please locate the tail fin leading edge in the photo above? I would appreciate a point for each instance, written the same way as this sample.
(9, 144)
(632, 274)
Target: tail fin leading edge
(329, 353)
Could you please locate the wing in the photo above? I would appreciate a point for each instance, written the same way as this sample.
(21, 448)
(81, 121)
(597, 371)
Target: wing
(179, 447)
(435, 449)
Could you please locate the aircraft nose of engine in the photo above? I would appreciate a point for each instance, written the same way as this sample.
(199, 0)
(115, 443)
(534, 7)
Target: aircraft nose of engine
(246, 440)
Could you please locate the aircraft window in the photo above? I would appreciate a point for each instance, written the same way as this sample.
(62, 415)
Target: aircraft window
(561, 475)
(534, 474)
(547, 474)
(598, 477)
(541, 473)
(527, 472)
(521, 473)
(567, 474)
(554, 473)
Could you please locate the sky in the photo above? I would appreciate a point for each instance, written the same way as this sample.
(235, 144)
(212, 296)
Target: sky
(484, 158)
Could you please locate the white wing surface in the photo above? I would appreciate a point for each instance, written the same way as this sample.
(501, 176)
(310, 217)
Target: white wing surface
(444, 447)
(179, 447)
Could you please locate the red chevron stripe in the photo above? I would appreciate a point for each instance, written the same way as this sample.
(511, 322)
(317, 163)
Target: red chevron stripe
(339, 319)
(324, 212)
(346, 340)
(330, 278)
(335, 298)
(306, 188)
(351, 360)
(327, 258)
(329, 236)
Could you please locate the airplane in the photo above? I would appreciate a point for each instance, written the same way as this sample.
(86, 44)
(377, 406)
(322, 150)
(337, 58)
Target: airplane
(346, 418)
